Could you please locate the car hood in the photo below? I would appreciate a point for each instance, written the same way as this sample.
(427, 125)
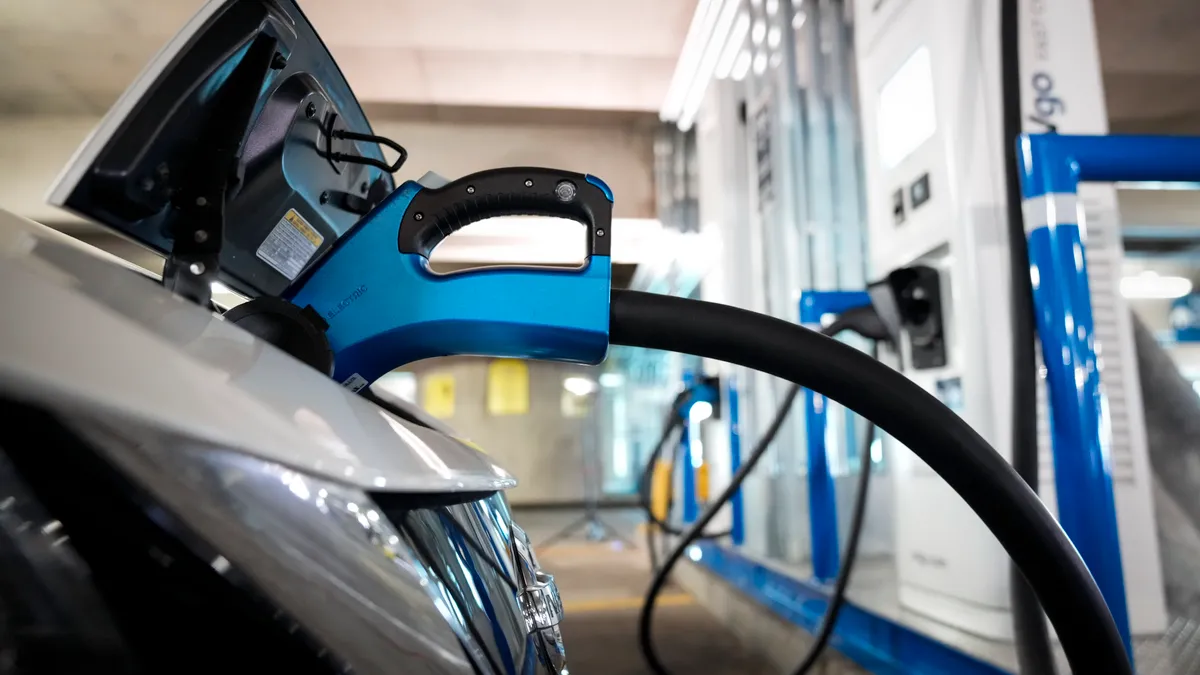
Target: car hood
(84, 333)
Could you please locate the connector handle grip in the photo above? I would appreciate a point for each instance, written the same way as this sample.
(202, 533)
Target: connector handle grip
(436, 213)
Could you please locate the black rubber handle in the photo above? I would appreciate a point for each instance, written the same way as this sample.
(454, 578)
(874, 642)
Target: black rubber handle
(436, 213)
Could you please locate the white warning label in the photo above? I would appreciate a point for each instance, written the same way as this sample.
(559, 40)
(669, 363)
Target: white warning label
(290, 245)
(355, 383)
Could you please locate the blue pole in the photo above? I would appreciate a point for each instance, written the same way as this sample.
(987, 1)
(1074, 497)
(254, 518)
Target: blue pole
(1087, 509)
(691, 508)
(737, 529)
(822, 494)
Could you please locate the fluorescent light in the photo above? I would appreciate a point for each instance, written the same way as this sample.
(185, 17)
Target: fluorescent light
(760, 32)
(580, 386)
(693, 48)
(760, 63)
(741, 66)
(700, 411)
(1158, 185)
(737, 38)
(708, 64)
(774, 37)
(611, 380)
(1150, 285)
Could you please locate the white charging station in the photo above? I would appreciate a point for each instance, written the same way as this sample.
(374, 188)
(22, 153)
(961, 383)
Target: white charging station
(929, 83)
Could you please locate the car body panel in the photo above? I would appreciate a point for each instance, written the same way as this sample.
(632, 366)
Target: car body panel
(84, 332)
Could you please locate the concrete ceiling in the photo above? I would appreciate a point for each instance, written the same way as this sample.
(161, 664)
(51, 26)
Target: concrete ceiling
(76, 56)
(1150, 53)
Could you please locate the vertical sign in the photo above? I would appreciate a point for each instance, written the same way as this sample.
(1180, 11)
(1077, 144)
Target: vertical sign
(507, 387)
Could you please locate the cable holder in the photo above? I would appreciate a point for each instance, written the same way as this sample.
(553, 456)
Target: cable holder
(331, 134)
(200, 186)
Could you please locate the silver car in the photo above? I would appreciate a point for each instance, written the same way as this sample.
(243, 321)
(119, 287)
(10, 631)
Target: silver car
(177, 495)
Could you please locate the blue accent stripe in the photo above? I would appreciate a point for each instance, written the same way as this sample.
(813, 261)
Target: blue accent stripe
(875, 643)
(602, 185)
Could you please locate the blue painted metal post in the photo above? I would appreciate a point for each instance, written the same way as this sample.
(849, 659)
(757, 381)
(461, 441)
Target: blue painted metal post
(822, 495)
(1052, 167)
(737, 529)
(691, 508)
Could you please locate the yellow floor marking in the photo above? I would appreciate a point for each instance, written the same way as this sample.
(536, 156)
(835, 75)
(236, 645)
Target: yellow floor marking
(614, 604)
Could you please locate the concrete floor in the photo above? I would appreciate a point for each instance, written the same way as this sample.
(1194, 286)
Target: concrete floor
(602, 583)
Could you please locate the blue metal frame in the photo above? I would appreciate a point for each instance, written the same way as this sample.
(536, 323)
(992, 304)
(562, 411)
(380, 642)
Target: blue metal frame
(822, 496)
(691, 507)
(737, 529)
(1052, 166)
(385, 308)
(874, 642)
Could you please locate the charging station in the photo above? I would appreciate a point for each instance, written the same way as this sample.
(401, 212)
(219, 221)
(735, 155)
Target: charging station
(929, 72)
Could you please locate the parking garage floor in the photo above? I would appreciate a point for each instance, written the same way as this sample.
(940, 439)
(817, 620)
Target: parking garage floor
(602, 583)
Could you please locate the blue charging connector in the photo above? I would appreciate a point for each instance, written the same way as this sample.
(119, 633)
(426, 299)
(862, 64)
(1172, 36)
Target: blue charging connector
(385, 307)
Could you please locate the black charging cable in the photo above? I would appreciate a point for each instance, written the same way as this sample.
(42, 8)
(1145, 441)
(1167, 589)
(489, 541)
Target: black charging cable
(866, 322)
(915, 418)
(1034, 656)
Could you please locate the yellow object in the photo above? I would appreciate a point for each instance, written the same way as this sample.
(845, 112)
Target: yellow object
(702, 483)
(438, 395)
(301, 225)
(508, 387)
(660, 489)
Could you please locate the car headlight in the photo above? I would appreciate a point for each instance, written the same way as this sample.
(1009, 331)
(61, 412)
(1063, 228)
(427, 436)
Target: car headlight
(321, 552)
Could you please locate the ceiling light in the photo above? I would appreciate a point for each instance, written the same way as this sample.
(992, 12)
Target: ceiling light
(1158, 185)
(776, 59)
(708, 64)
(737, 38)
(760, 63)
(774, 37)
(772, 7)
(759, 33)
(580, 386)
(741, 66)
(798, 19)
(698, 36)
(1150, 285)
